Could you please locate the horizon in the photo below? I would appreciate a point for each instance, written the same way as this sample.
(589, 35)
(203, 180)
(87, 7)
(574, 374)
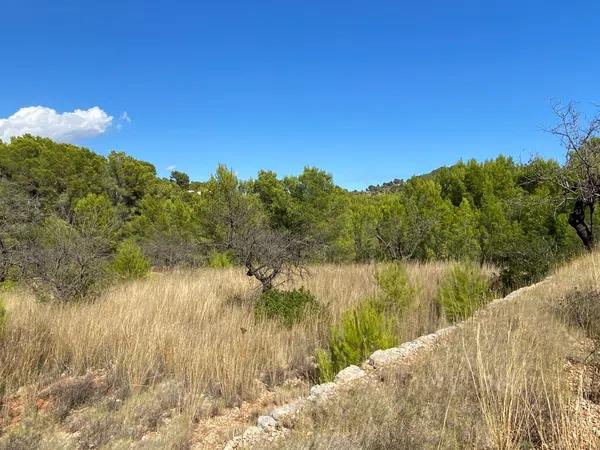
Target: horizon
(368, 93)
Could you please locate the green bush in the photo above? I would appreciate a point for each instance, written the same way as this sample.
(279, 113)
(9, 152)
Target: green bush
(361, 332)
(129, 262)
(464, 289)
(220, 260)
(396, 291)
(288, 307)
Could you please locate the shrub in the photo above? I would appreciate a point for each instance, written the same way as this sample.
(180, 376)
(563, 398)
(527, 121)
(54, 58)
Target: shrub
(360, 332)
(462, 291)
(396, 291)
(220, 260)
(130, 262)
(289, 307)
(65, 263)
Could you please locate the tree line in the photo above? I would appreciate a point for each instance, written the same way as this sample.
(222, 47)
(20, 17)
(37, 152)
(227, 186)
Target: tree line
(65, 212)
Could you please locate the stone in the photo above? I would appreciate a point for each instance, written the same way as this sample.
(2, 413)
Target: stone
(251, 432)
(288, 410)
(349, 374)
(321, 390)
(266, 422)
(381, 358)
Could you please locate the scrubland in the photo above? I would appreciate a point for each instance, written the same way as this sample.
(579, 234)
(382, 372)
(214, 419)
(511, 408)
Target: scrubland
(151, 361)
(523, 374)
(186, 340)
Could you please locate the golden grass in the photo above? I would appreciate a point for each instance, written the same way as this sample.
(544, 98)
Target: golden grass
(500, 382)
(195, 328)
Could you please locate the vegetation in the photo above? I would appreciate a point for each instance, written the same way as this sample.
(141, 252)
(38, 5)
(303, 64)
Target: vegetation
(194, 331)
(3, 317)
(288, 307)
(361, 331)
(378, 321)
(129, 262)
(498, 212)
(191, 341)
(463, 290)
(518, 376)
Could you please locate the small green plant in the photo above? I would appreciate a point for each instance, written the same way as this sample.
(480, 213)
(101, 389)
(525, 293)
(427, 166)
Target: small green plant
(396, 290)
(7, 285)
(288, 307)
(220, 260)
(361, 331)
(130, 262)
(462, 291)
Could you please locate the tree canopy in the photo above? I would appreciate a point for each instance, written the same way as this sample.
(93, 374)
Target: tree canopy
(493, 211)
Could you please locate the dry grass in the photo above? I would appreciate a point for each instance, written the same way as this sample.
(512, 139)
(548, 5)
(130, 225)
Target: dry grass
(500, 382)
(194, 330)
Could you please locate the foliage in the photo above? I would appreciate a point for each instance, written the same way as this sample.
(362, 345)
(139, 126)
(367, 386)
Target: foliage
(462, 291)
(497, 211)
(129, 262)
(288, 307)
(396, 291)
(181, 179)
(169, 231)
(65, 263)
(220, 260)
(361, 331)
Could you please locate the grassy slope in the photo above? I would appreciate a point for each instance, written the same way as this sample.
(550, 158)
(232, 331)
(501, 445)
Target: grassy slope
(515, 377)
(151, 357)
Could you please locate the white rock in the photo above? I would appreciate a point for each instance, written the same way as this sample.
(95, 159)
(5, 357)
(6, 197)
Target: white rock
(381, 358)
(321, 390)
(266, 422)
(252, 432)
(349, 374)
(287, 410)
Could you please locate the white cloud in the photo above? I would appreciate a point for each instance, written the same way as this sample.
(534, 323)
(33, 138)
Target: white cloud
(123, 118)
(172, 167)
(46, 122)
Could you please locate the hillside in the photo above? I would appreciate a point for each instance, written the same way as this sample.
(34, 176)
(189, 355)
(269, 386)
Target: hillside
(140, 312)
(498, 212)
(523, 373)
(178, 351)
(188, 364)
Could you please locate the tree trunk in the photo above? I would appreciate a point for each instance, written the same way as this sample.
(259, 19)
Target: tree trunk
(577, 221)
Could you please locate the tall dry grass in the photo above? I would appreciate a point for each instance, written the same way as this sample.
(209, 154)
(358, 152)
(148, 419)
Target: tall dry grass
(503, 381)
(195, 328)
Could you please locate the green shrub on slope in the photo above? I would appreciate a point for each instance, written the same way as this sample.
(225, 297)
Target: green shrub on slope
(360, 332)
(130, 262)
(463, 290)
(288, 307)
(396, 291)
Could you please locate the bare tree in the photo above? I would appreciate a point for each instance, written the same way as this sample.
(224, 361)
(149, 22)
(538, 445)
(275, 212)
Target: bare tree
(269, 254)
(579, 178)
(237, 224)
(64, 263)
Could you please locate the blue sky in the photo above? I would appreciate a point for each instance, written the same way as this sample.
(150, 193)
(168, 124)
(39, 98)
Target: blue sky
(367, 90)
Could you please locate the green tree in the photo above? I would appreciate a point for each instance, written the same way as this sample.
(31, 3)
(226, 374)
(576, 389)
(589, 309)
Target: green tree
(129, 262)
(463, 234)
(132, 178)
(181, 179)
